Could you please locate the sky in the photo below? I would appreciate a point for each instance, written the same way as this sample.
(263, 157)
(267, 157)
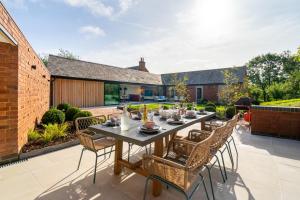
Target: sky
(171, 35)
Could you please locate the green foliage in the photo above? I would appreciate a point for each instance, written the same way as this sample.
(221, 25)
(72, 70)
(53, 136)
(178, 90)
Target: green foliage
(277, 91)
(71, 112)
(53, 116)
(63, 107)
(210, 108)
(289, 103)
(230, 112)
(33, 135)
(165, 107)
(255, 93)
(82, 114)
(54, 131)
(44, 59)
(67, 54)
(211, 104)
(265, 70)
(233, 89)
(293, 85)
(180, 87)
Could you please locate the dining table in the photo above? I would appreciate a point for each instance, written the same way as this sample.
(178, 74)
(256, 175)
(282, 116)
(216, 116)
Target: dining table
(134, 136)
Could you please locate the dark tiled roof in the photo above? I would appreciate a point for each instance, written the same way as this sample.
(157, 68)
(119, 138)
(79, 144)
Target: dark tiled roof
(212, 76)
(63, 67)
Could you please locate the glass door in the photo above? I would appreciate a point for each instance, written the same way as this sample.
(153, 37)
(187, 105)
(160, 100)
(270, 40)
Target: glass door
(199, 94)
(111, 94)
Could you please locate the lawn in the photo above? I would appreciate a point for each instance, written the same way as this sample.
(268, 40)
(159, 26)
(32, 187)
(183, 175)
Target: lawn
(151, 106)
(289, 103)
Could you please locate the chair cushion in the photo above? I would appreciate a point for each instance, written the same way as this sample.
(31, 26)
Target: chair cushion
(104, 143)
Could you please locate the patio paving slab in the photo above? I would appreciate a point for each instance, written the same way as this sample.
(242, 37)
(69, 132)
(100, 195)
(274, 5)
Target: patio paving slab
(268, 169)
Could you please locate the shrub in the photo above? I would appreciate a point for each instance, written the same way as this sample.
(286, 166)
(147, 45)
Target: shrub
(33, 135)
(71, 112)
(210, 104)
(63, 107)
(54, 131)
(277, 91)
(165, 107)
(82, 114)
(53, 116)
(230, 112)
(210, 108)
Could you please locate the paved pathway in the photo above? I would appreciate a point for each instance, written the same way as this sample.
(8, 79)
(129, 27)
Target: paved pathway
(268, 169)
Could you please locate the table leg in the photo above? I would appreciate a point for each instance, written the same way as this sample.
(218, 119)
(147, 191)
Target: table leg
(202, 124)
(167, 140)
(118, 157)
(158, 151)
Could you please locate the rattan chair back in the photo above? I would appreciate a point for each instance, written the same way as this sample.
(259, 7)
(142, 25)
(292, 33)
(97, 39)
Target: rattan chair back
(84, 135)
(200, 153)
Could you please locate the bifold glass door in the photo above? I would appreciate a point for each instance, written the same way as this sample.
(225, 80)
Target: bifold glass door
(111, 93)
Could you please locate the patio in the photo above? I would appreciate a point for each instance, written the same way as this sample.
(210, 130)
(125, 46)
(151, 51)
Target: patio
(268, 168)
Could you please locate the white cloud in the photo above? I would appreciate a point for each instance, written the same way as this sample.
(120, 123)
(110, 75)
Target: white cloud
(96, 7)
(91, 31)
(126, 4)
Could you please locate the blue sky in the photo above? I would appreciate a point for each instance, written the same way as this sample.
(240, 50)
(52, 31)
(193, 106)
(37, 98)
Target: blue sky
(172, 35)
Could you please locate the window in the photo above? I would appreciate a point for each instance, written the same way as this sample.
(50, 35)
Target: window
(111, 94)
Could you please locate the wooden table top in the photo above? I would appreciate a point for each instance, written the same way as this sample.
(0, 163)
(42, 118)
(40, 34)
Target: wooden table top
(134, 136)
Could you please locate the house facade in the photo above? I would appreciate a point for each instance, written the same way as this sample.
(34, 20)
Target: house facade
(86, 84)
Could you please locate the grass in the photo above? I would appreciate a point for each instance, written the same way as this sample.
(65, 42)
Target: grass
(220, 109)
(289, 103)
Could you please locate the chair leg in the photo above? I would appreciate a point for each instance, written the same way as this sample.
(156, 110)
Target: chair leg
(80, 158)
(224, 167)
(211, 185)
(230, 154)
(234, 146)
(220, 167)
(146, 186)
(95, 168)
(129, 148)
(204, 185)
(104, 153)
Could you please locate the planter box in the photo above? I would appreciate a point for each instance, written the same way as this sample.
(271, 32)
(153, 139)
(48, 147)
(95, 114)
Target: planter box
(49, 149)
(276, 121)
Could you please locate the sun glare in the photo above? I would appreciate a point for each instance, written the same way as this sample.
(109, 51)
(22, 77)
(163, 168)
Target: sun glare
(214, 17)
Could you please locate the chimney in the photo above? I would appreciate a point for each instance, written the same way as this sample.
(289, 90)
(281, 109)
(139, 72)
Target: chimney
(142, 64)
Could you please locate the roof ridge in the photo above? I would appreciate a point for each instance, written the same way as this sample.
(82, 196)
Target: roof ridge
(223, 68)
(103, 65)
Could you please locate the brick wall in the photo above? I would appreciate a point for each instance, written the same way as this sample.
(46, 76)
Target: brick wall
(210, 92)
(33, 86)
(276, 121)
(8, 99)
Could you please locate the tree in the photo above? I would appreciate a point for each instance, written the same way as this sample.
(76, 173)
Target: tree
(255, 93)
(290, 62)
(293, 85)
(67, 54)
(266, 69)
(297, 55)
(277, 91)
(44, 59)
(233, 90)
(180, 87)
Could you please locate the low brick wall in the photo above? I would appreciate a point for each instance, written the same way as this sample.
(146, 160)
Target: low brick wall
(276, 121)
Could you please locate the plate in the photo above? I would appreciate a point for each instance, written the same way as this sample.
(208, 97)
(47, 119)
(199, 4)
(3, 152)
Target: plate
(171, 121)
(201, 113)
(190, 116)
(110, 124)
(156, 129)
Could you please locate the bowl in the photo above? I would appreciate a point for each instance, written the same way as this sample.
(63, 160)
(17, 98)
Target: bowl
(149, 124)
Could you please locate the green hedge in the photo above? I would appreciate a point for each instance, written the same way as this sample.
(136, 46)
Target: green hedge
(53, 116)
(63, 107)
(71, 112)
(82, 114)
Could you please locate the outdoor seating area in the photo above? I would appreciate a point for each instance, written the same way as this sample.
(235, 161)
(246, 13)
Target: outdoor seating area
(266, 168)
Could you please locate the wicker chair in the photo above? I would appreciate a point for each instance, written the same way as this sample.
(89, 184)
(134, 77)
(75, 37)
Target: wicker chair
(88, 142)
(184, 172)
